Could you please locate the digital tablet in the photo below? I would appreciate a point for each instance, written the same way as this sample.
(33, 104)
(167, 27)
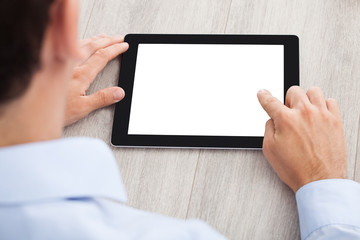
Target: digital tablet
(200, 91)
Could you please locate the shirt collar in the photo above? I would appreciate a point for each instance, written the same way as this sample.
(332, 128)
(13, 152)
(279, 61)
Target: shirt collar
(65, 168)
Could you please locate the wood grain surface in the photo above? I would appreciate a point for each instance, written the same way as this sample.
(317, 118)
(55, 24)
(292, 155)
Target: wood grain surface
(235, 191)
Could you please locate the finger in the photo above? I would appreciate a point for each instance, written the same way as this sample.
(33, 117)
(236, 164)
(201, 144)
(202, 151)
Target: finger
(88, 40)
(296, 97)
(270, 104)
(316, 97)
(98, 61)
(104, 42)
(104, 97)
(333, 107)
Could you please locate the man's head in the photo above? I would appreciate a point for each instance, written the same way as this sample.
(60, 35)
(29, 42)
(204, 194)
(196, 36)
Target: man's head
(39, 49)
(24, 24)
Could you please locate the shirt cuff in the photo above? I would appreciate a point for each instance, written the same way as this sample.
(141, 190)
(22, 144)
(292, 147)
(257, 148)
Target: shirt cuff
(326, 202)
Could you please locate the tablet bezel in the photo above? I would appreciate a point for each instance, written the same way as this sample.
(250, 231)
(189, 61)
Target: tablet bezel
(120, 136)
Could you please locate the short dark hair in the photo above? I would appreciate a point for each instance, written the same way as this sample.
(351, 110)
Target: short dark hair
(23, 25)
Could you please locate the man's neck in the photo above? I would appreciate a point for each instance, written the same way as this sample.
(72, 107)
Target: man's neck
(38, 115)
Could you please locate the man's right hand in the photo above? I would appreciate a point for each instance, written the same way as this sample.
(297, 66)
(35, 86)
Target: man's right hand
(304, 139)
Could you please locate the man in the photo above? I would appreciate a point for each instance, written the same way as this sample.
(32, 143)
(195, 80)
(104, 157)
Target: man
(52, 188)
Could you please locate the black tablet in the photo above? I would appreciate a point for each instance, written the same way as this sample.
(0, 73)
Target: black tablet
(200, 91)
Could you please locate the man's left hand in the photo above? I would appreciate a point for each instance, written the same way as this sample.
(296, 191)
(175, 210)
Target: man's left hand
(98, 51)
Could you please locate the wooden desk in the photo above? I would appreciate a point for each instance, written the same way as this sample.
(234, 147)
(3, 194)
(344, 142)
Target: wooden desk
(234, 191)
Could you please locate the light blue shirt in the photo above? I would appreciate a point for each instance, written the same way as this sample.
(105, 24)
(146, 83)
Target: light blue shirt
(329, 209)
(71, 189)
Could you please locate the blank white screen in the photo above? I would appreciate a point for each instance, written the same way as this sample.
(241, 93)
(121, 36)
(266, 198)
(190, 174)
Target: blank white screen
(204, 89)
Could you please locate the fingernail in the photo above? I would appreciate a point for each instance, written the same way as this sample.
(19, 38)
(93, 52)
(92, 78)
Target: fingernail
(119, 94)
(262, 91)
(119, 38)
(102, 35)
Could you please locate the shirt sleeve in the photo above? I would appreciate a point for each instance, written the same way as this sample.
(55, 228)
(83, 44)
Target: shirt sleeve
(329, 209)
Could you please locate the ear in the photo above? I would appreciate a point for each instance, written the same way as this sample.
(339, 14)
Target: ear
(64, 24)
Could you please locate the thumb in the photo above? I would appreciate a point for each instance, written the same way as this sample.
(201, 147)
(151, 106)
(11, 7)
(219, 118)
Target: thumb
(268, 135)
(105, 97)
(269, 129)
